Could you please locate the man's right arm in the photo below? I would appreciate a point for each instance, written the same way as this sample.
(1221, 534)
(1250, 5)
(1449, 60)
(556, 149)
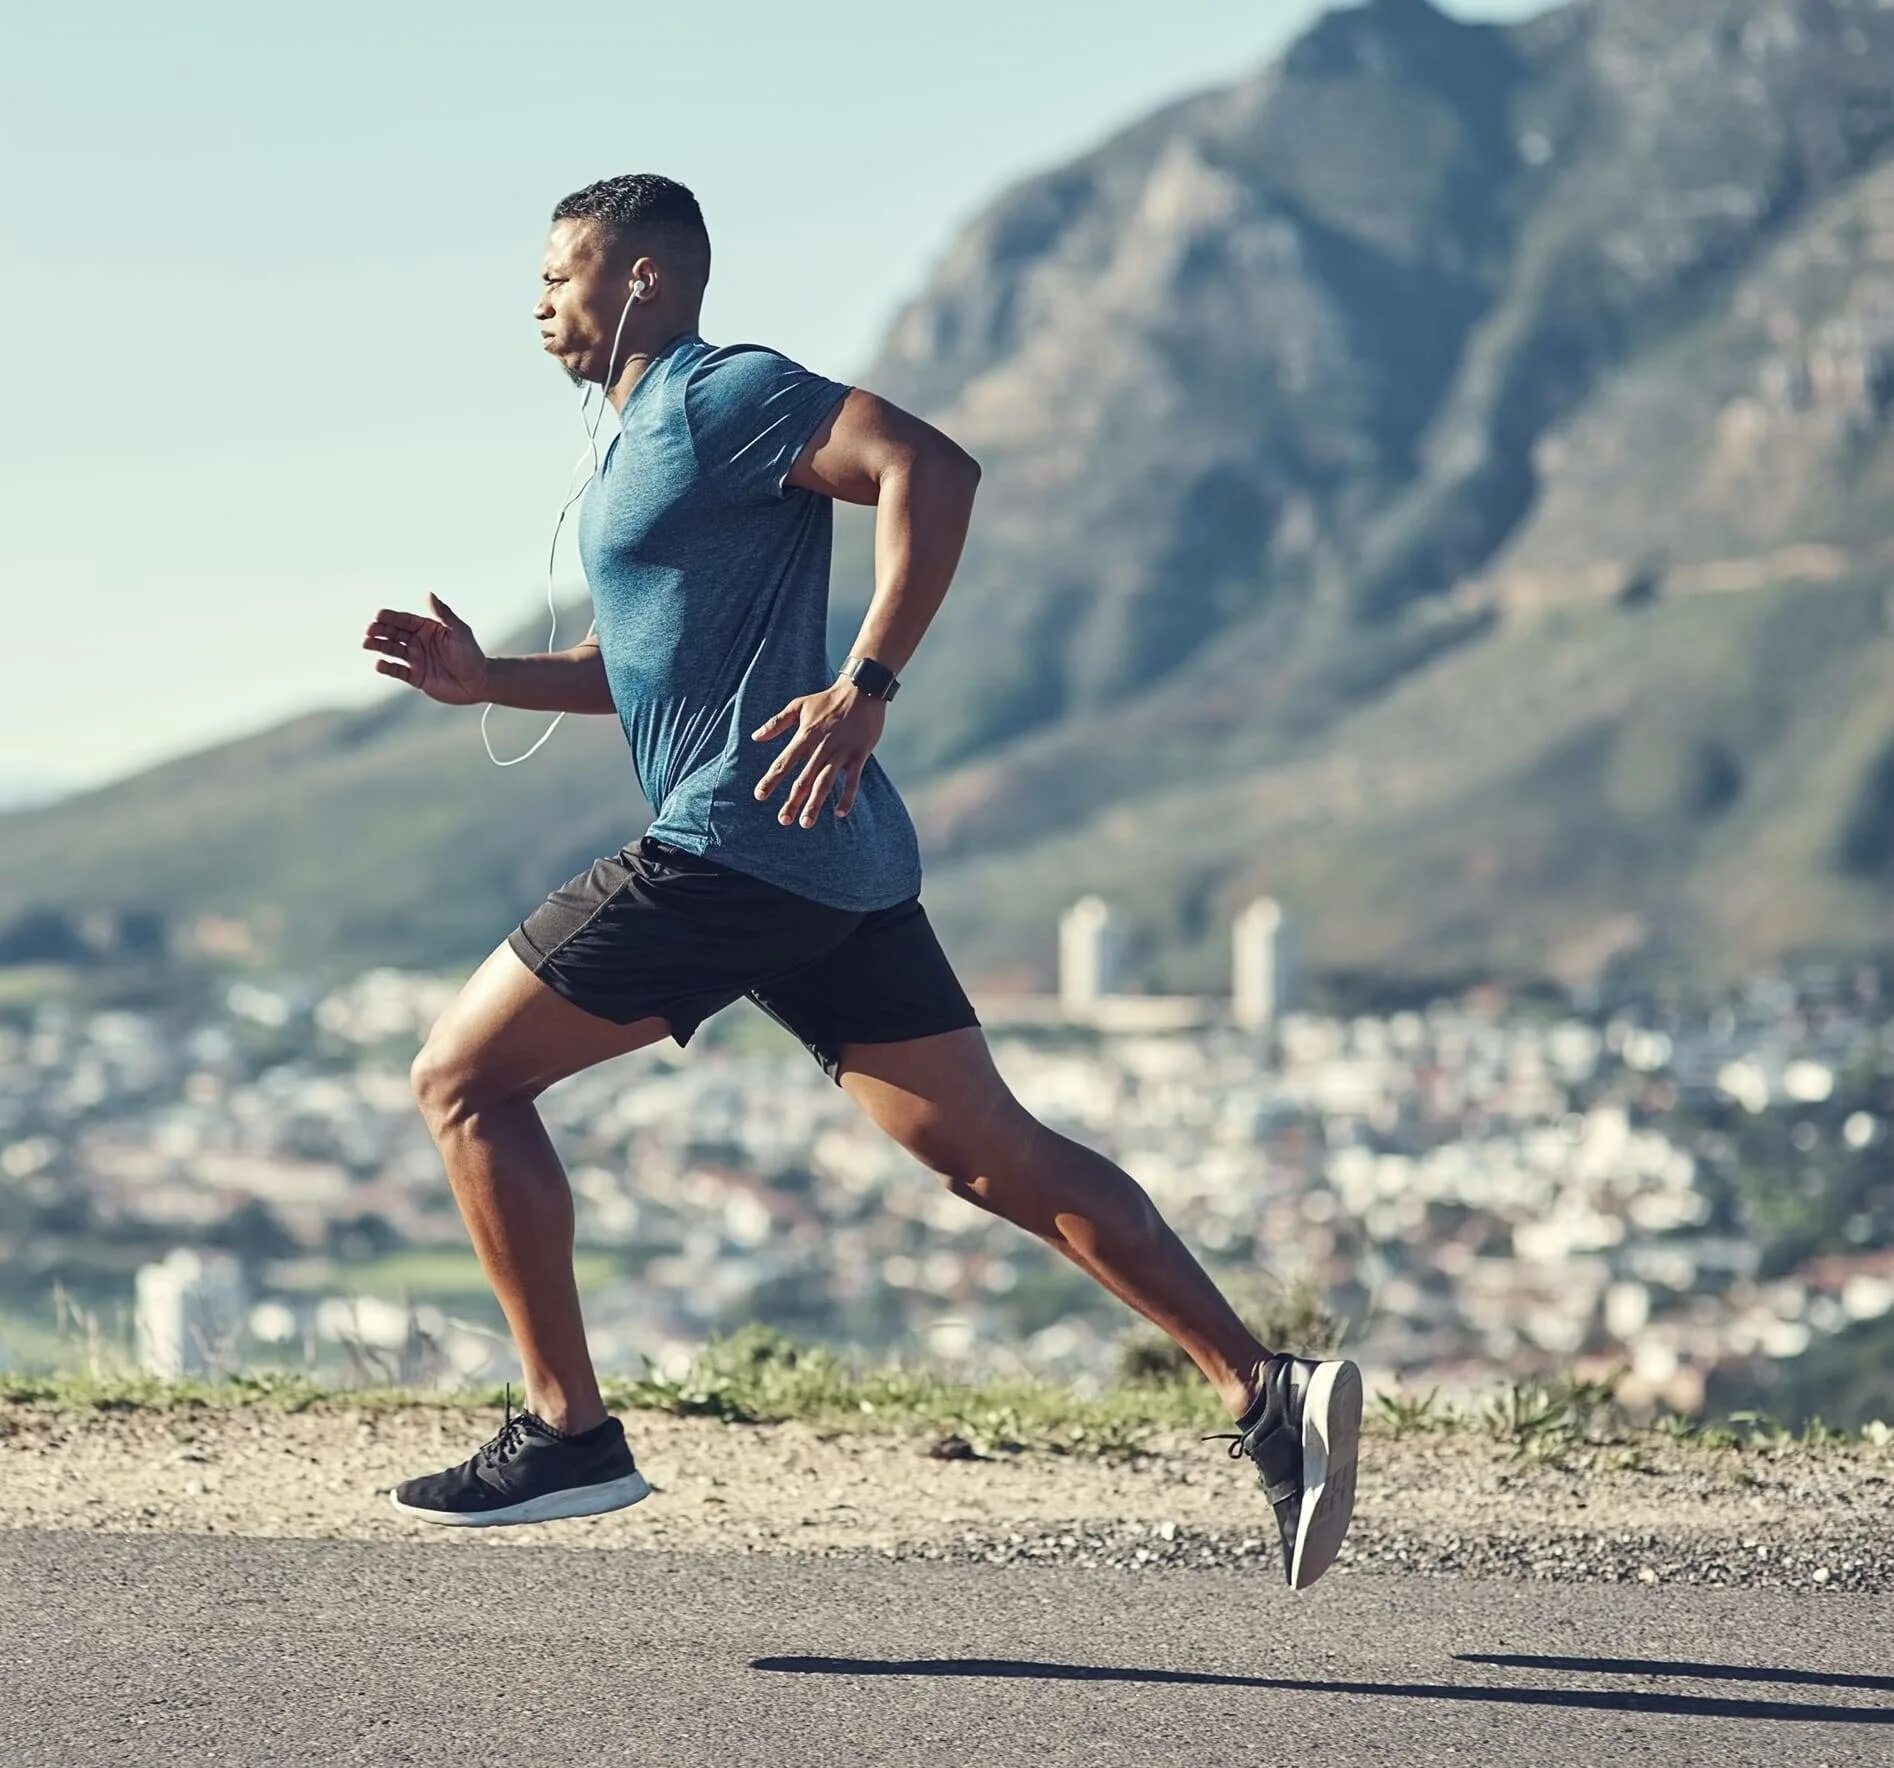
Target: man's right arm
(552, 681)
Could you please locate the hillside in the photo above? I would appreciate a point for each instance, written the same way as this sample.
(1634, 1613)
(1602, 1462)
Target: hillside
(1440, 477)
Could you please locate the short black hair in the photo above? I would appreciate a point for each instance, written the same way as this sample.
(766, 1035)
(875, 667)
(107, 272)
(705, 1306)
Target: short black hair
(641, 212)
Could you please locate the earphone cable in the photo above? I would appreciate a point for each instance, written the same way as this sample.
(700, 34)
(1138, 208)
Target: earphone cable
(591, 437)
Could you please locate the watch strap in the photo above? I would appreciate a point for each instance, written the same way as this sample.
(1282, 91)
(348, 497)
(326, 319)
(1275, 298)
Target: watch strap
(874, 679)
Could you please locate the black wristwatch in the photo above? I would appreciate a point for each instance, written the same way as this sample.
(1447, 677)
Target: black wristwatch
(876, 680)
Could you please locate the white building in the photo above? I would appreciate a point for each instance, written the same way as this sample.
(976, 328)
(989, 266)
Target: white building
(1262, 979)
(1091, 955)
(190, 1312)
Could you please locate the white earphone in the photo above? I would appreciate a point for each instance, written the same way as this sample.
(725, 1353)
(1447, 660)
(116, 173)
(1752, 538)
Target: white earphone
(591, 437)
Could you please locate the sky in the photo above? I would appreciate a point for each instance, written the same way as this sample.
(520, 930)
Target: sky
(269, 360)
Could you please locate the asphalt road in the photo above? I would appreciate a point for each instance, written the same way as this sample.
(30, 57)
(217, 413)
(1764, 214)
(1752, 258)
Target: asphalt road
(164, 1649)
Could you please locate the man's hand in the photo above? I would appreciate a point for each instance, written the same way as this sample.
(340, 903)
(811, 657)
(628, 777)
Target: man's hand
(440, 657)
(837, 731)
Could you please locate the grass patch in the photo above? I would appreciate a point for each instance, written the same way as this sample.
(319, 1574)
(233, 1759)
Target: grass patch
(752, 1376)
(759, 1376)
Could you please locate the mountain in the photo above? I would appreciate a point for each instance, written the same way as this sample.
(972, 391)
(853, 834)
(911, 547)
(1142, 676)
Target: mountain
(1440, 478)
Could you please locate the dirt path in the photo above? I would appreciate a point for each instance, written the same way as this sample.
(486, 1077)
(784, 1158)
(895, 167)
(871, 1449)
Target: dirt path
(1434, 1503)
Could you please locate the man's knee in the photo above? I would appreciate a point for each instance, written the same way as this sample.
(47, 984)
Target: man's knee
(450, 1080)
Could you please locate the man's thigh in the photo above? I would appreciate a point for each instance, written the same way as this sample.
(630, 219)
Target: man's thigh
(514, 1035)
(941, 1098)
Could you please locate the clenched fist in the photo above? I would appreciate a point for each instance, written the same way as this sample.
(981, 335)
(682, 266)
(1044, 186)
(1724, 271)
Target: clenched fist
(440, 657)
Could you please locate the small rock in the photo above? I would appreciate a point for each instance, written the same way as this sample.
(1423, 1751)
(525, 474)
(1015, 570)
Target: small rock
(1647, 1574)
(953, 1448)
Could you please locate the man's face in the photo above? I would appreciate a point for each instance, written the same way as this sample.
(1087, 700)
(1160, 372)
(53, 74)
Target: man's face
(579, 302)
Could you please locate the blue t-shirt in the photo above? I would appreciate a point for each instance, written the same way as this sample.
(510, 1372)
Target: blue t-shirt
(710, 586)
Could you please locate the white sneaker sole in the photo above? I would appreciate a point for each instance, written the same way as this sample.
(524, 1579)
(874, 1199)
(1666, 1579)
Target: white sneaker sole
(614, 1494)
(1331, 1436)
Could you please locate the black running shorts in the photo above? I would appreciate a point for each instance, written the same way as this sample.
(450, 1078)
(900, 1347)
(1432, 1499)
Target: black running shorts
(655, 930)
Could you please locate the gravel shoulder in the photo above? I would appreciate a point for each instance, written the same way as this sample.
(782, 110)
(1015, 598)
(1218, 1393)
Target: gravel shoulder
(1430, 1502)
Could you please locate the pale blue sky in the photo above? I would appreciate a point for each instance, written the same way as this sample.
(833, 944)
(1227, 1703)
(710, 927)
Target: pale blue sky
(269, 360)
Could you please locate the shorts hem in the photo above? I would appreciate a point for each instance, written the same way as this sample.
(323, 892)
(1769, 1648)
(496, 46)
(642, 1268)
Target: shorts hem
(828, 1053)
(682, 1021)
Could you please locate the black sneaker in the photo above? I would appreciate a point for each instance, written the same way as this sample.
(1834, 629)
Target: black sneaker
(528, 1472)
(1302, 1432)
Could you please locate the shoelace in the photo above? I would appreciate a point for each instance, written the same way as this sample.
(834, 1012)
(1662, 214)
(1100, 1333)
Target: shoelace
(1237, 1440)
(1240, 1440)
(507, 1439)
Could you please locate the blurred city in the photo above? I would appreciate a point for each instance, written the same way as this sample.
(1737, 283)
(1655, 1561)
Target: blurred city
(1484, 1189)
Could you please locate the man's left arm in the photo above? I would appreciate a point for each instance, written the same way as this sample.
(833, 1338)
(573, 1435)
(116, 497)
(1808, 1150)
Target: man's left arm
(921, 483)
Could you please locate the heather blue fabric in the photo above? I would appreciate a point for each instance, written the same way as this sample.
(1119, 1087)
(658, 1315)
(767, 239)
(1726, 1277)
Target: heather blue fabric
(710, 585)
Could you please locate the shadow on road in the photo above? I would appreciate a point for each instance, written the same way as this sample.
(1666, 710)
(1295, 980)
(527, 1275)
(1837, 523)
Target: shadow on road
(1672, 1667)
(1611, 1700)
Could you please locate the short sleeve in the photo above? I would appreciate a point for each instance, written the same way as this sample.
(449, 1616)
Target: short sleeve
(750, 410)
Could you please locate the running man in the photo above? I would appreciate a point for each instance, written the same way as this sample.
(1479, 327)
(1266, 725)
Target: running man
(780, 865)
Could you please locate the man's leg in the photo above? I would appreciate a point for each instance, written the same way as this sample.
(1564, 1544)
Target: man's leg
(943, 1100)
(503, 1041)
